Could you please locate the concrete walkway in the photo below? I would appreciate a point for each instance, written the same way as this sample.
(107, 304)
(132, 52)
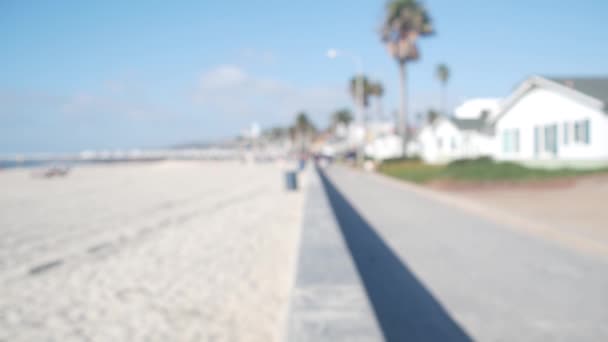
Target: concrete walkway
(434, 272)
(328, 301)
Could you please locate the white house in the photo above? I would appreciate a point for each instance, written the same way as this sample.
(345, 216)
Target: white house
(377, 138)
(382, 141)
(448, 139)
(467, 134)
(555, 122)
(473, 108)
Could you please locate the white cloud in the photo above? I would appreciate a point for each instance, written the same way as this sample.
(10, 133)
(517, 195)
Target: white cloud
(87, 104)
(229, 90)
(249, 55)
(223, 77)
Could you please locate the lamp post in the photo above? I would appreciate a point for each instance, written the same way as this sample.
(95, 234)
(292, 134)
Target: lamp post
(360, 93)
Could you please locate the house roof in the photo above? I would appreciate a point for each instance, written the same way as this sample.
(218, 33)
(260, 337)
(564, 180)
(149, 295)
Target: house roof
(480, 125)
(469, 124)
(596, 87)
(589, 91)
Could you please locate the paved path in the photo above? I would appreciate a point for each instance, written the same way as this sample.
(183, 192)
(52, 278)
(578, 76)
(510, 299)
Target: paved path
(434, 272)
(328, 301)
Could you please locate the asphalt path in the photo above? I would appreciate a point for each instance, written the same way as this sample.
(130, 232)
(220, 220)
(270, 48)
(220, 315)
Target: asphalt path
(436, 272)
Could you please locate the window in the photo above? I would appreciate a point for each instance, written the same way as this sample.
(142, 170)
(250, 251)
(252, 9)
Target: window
(582, 132)
(548, 146)
(551, 138)
(536, 140)
(555, 148)
(510, 140)
(453, 143)
(566, 132)
(439, 143)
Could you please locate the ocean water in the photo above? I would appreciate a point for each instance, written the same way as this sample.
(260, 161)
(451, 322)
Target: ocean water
(28, 164)
(11, 164)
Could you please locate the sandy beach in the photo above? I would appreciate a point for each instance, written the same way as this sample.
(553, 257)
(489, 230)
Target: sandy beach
(172, 251)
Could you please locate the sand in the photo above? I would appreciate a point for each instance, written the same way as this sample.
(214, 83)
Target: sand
(172, 251)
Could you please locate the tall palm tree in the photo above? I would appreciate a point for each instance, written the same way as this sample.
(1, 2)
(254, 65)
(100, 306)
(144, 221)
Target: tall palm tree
(443, 75)
(405, 21)
(377, 90)
(355, 83)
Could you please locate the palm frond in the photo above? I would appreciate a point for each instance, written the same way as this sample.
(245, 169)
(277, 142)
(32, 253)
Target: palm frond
(404, 22)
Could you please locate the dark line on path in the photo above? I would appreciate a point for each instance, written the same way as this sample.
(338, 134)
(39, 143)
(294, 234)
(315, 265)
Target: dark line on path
(99, 247)
(405, 309)
(45, 267)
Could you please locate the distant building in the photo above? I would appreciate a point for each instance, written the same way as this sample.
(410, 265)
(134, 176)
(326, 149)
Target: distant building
(447, 139)
(555, 121)
(383, 142)
(377, 139)
(474, 108)
(467, 134)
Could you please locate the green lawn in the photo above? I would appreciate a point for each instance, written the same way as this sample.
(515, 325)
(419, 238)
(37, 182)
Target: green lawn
(483, 170)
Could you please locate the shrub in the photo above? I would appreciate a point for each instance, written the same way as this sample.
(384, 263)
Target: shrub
(402, 160)
(471, 161)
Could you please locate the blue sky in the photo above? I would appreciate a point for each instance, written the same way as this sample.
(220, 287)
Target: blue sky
(80, 75)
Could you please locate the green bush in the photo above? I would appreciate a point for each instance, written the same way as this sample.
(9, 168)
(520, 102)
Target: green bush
(480, 169)
(402, 160)
(473, 161)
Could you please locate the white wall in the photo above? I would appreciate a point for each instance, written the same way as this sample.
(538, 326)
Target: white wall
(455, 144)
(477, 145)
(384, 147)
(541, 107)
(441, 142)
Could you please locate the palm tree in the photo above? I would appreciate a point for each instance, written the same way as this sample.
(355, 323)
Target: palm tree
(355, 83)
(405, 21)
(342, 116)
(303, 131)
(431, 116)
(303, 123)
(377, 90)
(443, 75)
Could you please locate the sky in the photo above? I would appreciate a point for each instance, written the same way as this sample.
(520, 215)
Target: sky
(78, 75)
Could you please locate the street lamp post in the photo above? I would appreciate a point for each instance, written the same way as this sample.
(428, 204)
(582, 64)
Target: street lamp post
(360, 92)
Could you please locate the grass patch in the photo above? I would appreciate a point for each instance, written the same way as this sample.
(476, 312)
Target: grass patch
(414, 171)
(481, 170)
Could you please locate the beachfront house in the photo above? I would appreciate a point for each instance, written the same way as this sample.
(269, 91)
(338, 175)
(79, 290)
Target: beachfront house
(467, 134)
(448, 139)
(554, 122)
(382, 141)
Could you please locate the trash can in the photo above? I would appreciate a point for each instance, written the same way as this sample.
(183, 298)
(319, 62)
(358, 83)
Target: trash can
(291, 181)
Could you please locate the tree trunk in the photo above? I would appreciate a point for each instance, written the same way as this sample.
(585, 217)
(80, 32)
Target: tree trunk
(444, 104)
(403, 112)
(380, 111)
